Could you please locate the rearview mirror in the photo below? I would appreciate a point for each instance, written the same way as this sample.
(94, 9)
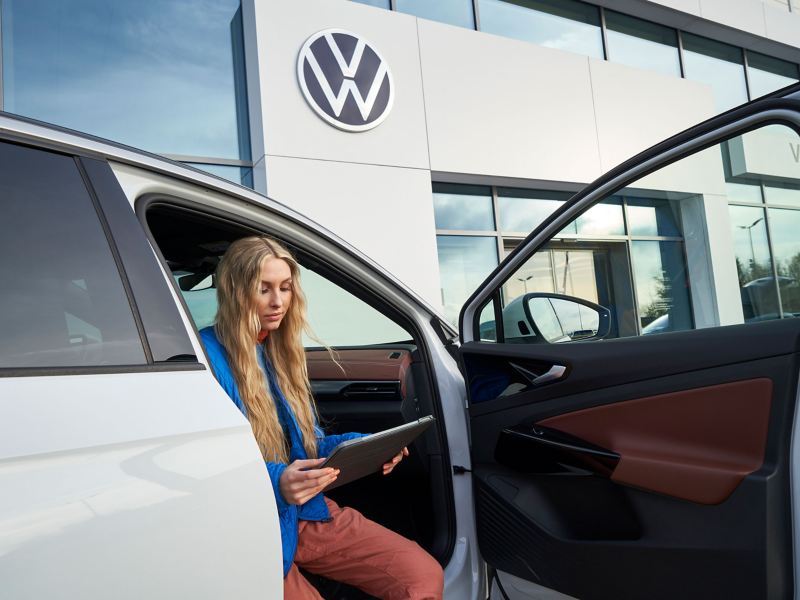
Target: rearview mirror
(553, 319)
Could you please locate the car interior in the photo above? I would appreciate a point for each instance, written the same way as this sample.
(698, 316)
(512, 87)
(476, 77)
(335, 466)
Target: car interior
(364, 387)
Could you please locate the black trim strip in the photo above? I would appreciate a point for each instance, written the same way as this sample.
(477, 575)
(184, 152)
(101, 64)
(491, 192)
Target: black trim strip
(163, 367)
(137, 318)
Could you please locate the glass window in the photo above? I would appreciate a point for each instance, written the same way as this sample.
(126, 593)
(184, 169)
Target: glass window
(161, 75)
(659, 272)
(743, 192)
(782, 193)
(648, 217)
(464, 262)
(338, 318)
(784, 226)
(753, 263)
(377, 3)
(522, 211)
(536, 275)
(767, 74)
(462, 207)
(642, 44)
(664, 275)
(562, 24)
(62, 302)
(602, 219)
(454, 12)
(718, 65)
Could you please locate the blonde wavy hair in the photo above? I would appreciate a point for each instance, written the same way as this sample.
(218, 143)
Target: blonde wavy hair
(238, 281)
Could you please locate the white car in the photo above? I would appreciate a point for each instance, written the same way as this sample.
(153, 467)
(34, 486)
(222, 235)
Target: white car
(656, 466)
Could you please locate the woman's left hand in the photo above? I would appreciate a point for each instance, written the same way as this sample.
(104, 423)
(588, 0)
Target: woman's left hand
(387, 467)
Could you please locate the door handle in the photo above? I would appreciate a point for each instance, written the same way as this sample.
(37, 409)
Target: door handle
(553, 374)
(543, 449)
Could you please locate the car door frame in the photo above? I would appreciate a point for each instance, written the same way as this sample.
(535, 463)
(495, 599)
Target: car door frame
(782, 107)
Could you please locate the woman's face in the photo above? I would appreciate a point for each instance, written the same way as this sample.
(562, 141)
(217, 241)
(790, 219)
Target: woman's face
(274, 294)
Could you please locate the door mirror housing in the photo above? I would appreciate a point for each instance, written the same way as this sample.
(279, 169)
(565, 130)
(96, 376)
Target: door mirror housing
(543, 318)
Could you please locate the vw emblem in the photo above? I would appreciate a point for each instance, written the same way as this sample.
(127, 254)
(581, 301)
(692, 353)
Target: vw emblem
(345, 80)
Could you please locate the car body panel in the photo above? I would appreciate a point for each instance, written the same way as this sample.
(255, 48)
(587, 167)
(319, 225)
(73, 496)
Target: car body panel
(135, 485)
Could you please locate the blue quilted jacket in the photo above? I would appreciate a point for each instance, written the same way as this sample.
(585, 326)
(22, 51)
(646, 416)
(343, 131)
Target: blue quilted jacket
(289, 514)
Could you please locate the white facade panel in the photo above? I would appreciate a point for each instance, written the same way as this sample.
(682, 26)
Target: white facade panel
(385, 212)
(746, 15)
(290, 127)
(782, 26)
(497, 106)
(635, 109)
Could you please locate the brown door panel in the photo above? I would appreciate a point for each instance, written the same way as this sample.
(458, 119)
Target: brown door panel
(696, 444)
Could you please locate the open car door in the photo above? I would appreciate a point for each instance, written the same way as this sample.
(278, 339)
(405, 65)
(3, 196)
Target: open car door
(632, 372)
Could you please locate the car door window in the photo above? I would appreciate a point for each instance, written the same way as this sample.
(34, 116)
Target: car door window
(709, 240)
(62, 302)
(337, 317)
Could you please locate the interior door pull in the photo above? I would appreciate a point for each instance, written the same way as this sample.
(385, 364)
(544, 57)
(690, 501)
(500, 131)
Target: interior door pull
(555, 372)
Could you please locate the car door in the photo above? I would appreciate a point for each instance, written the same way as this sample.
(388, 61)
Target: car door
(125, 470)
(643, 449)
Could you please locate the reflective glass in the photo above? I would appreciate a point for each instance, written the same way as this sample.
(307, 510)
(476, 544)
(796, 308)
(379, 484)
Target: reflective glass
(784, 226)
(62, 302)
(662, 295)
(653, 217)
(154, 74)
(535, 275)
(241, 175)
(743, 192)
(718, 65)
(377, 3)
(575, 273)
(454, 12)
(642, 44)
(777, 193)
(562, 24)
(521, 211)
(766, 74)
(753, 263)
(464, 262)
(462, 207)
(602, 219)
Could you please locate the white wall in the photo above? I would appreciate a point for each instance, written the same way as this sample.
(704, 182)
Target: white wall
(386, 212)
(769, 19)
(467, 103)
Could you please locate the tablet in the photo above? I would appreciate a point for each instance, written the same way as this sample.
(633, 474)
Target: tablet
(365, 456)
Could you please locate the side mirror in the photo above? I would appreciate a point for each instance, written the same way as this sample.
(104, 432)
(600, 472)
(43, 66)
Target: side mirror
(553, 319)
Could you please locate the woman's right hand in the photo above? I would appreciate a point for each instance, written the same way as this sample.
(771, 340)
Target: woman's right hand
(300, 481)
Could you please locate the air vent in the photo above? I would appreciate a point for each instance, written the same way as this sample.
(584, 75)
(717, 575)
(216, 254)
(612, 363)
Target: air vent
(379, 390)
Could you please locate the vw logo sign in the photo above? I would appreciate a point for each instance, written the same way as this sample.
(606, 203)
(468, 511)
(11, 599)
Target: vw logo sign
(345, 80)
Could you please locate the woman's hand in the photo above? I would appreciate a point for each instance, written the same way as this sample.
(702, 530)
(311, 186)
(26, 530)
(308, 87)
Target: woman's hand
(300, 481)
(387, 467)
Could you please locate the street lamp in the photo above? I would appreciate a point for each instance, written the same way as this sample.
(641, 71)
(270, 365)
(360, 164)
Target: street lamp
(525, 281)
(750, 235)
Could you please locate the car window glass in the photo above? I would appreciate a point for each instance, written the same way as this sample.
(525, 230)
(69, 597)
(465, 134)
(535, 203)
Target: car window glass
(337, 317)
(709, 240)
(62, 302)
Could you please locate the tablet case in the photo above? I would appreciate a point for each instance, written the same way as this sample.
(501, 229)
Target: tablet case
(365, 456)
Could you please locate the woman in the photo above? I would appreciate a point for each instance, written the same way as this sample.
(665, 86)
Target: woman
(257, 355)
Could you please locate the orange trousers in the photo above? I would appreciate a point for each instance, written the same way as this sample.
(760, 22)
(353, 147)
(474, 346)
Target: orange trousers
(354, 550)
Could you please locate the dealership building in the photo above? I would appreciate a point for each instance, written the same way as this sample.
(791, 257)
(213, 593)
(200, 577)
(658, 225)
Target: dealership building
(434, 135)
